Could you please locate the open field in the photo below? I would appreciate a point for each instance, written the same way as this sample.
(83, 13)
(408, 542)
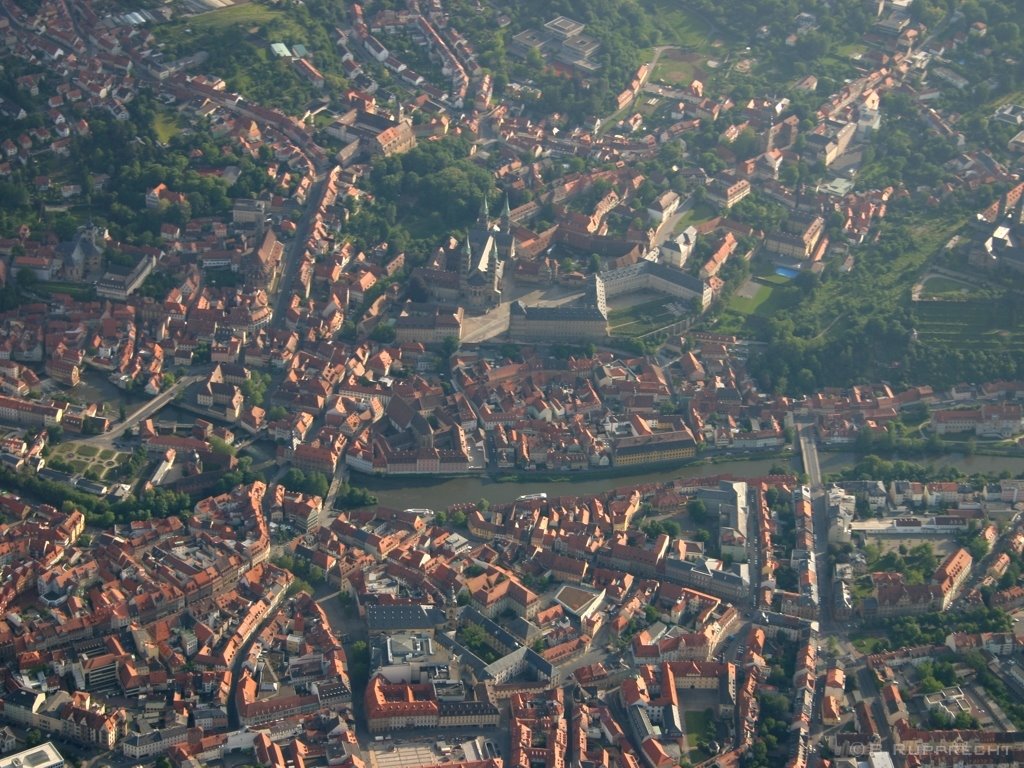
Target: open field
(248, 14)
(749, 297)
(675, 68)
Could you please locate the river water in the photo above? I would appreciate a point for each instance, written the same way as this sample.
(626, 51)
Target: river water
(440, 493)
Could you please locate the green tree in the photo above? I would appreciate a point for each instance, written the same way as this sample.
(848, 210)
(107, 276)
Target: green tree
(255, 387)
(221, 446)
(450, 346)
(294, 479)
(698, 511)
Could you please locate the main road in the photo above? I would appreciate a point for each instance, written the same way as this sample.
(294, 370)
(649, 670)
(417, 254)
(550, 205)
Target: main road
(807, 435)
(804, 424)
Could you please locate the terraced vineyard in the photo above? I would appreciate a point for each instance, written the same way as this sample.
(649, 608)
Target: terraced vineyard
(971, 324)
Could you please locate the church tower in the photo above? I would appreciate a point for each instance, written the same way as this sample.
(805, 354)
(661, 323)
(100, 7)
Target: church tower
(451, 611)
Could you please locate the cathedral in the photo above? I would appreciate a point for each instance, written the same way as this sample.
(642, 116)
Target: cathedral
(488, 247)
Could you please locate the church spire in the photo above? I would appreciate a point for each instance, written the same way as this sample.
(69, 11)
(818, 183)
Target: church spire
(485, 214)
(467, 256)
(506, 215)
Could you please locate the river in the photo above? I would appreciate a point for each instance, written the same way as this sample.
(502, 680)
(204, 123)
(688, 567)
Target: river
(440, 493)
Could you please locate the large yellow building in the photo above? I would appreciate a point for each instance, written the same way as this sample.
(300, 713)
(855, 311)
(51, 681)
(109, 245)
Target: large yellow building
(660, 446)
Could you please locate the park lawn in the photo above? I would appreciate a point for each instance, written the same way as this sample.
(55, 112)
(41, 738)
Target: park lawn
(165, 126)
(88, 451)
(868, 644)
(697, 722)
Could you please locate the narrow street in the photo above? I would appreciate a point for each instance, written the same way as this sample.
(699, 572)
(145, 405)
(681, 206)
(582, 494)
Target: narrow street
(294, 250)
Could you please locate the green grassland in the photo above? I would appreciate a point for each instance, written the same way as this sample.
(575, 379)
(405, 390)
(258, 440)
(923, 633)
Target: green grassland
(749, 305)
(246, 15)
(682, 27)
(769, 300)
(166, 126)
(940, 286)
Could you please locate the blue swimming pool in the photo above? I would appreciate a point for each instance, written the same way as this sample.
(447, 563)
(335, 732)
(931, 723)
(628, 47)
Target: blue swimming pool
(786, 272)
